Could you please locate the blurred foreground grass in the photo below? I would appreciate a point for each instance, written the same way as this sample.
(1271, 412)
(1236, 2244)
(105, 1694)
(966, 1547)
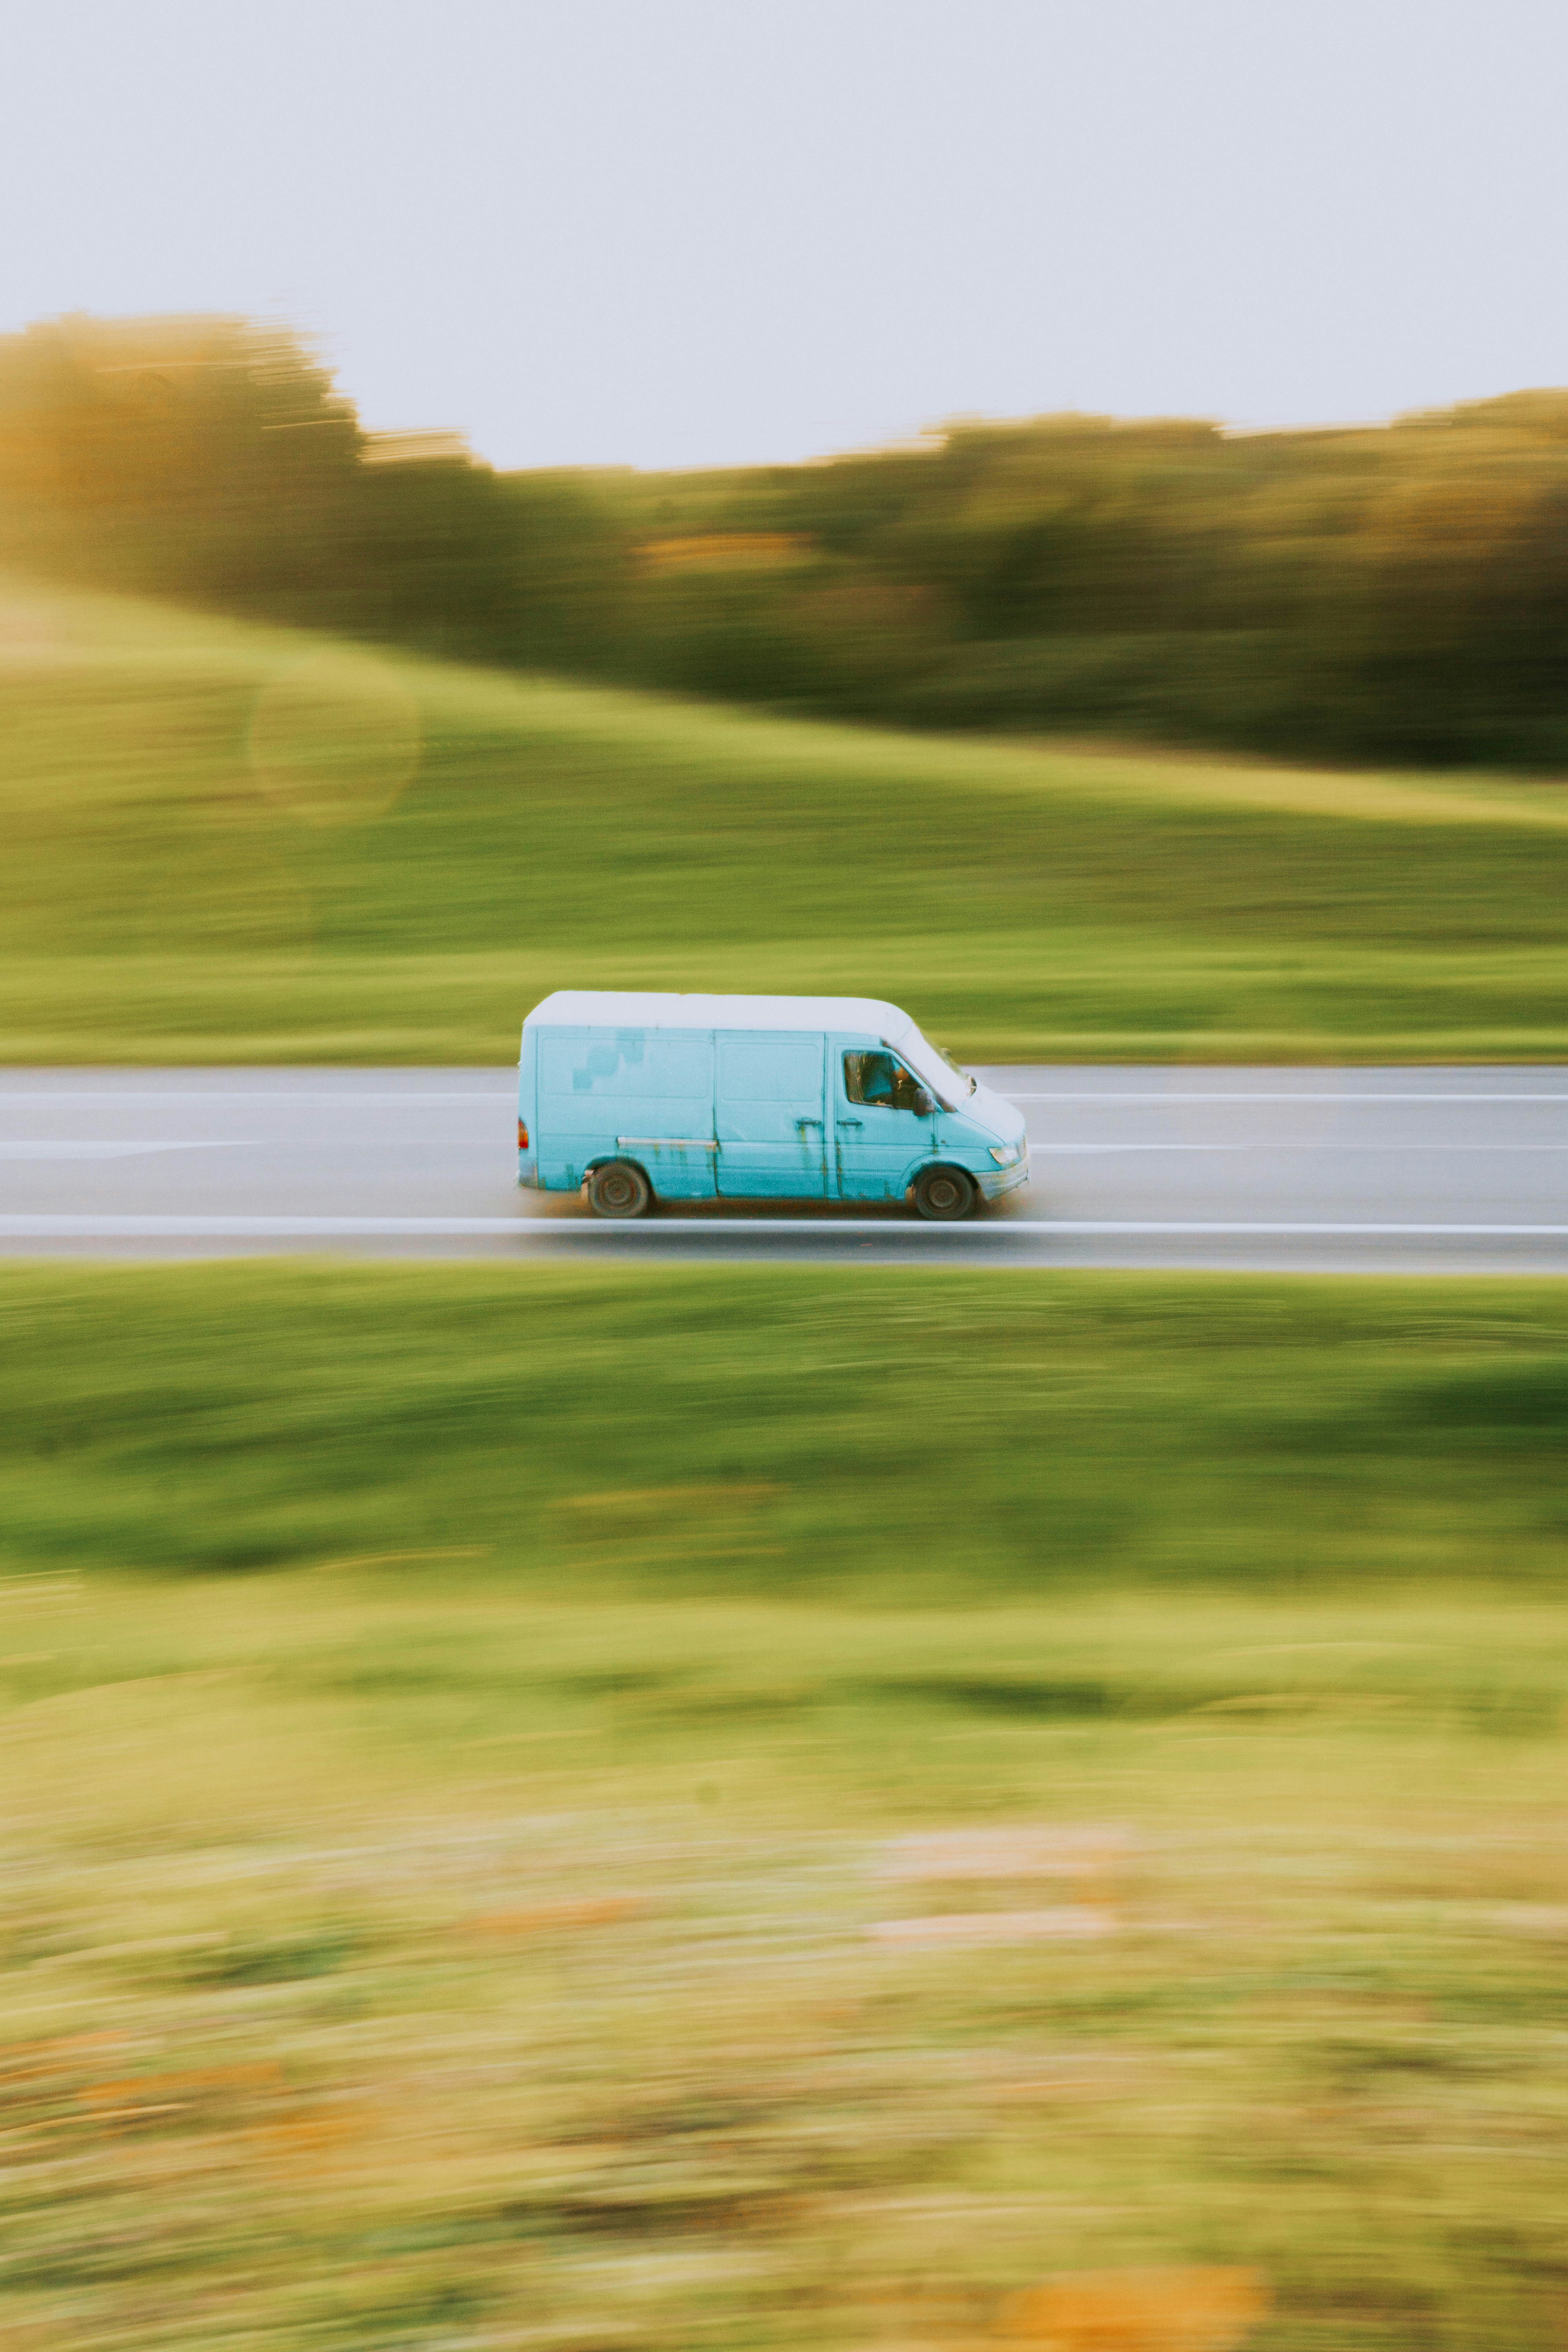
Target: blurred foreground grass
(777, 1808)
(230, 842)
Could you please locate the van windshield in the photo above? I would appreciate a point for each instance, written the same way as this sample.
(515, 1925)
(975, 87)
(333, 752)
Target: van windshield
(938, 1071)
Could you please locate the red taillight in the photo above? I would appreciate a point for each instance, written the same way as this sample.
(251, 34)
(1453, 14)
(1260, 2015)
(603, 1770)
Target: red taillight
(521, 1136)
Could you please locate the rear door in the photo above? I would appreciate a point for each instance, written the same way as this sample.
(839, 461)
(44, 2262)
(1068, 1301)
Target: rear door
(769, 1114)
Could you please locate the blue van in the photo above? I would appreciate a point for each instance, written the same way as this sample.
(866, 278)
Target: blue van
(638, 1099)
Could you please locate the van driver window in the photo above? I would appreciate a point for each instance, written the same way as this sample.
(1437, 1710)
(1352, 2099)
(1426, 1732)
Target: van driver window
(881, 1080)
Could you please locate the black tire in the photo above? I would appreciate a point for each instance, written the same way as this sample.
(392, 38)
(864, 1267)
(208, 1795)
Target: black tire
(945, 1194)
(619, 1190)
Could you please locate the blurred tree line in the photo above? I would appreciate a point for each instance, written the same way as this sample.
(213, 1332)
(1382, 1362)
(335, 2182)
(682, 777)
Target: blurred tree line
(1394, 592)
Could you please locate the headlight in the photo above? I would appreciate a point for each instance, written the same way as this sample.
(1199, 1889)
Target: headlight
(1004, 1154)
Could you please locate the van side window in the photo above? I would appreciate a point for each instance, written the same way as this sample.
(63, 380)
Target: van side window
(880, 1080)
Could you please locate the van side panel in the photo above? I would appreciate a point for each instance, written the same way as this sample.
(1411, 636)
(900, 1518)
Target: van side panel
(628, 1093)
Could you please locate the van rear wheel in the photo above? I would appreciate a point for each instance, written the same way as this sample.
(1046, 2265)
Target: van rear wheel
(619, 1190)
(944, 1194)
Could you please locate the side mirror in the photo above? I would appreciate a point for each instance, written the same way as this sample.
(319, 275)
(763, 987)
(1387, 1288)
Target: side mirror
(925, 1102)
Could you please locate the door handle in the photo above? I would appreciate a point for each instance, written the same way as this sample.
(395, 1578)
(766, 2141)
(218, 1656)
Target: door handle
(851, 1122)
(801, 1124)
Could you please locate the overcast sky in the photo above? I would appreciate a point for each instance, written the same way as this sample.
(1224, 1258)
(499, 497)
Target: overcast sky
(674, 232)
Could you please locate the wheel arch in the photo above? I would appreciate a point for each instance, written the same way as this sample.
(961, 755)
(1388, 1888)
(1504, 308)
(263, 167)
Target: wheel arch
(619, 1159)
(930, 1167)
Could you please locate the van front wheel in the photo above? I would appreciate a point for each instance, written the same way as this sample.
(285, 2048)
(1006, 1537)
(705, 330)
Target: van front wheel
(944, 1194)
(619, 1190)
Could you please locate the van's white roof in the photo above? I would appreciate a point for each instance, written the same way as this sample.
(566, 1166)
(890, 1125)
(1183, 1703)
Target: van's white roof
(584, 1008)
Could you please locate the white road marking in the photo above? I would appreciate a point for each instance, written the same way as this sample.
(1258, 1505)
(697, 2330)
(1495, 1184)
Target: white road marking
(67, 1150)
(259, 1096)
(1262, 1226)
(134, 1227)
(413, 1098)
(1341, 1096)
(1272, 1143)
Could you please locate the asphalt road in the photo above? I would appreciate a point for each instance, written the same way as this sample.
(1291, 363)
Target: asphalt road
(1363, 1169)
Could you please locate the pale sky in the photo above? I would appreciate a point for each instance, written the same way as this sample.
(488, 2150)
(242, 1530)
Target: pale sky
(697, 231)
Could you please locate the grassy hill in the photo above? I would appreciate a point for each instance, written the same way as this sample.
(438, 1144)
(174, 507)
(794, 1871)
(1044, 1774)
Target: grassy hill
(230, 842)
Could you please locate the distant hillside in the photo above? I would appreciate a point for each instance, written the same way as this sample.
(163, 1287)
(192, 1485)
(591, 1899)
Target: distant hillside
(1397, 594)
(233, 842)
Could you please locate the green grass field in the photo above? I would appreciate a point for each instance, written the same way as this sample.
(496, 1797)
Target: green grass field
(230, 844)
(773, 1809)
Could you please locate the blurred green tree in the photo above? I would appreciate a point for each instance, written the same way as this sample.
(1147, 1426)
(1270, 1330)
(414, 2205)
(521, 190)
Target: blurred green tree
(1392, 592)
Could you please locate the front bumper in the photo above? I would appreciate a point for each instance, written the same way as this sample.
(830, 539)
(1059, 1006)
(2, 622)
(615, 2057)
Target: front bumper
(994, 1182)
